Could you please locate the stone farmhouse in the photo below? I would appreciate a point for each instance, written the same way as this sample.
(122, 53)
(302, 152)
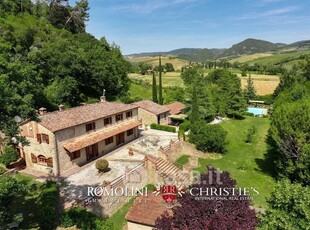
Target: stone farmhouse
(151, 112)
(72, 137)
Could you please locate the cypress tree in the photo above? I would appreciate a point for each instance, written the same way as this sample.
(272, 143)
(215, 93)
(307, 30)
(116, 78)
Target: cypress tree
(154, 88)
(160, 83)
(250, 92)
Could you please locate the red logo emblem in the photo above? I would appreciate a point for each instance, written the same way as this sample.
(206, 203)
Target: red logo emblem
(169, 193)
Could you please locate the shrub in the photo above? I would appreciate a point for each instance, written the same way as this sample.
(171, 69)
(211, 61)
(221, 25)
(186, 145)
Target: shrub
(83, 219)
(185, 126)
(9, 155)
(2, 170)
(102, 165)
(48, 206)
(163, 128)
(250, 134)
(211, 138)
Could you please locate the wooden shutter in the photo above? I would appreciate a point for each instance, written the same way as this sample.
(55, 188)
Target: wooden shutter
(47, 140)
(39, 138)
(49, 162)
(94, 125)
(34, 158)
(95, 149)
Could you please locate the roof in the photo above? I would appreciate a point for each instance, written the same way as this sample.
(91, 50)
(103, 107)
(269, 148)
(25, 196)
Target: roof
(253, 101)
(179, 116)
(151, 107)
(59, 120)
(147, 211)
(91, 139)
(176, 107)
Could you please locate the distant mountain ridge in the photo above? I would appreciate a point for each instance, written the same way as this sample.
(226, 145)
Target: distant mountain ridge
(248, 46)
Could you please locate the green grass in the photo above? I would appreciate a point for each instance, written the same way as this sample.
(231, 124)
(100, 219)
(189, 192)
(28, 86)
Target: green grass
(245, 161)
(140, 91)
(182, 160)
(118, 218)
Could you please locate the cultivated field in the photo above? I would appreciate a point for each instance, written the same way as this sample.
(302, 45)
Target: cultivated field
(247, 58)
(176, 62)
(168, 79)
(264, 84)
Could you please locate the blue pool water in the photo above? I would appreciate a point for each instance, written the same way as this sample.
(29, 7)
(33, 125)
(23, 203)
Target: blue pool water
(257, 111)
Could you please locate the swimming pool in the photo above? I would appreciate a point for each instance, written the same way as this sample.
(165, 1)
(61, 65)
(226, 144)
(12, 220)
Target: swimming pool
(258, 111)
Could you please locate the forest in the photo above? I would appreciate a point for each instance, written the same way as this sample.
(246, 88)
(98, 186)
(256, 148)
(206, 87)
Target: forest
(47, 59)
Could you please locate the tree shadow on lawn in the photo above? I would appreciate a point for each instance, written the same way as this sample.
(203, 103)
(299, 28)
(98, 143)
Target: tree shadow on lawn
(267, 165)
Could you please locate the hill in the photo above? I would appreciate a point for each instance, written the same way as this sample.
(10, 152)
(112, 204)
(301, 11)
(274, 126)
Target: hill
(189, 54)
(250, 46)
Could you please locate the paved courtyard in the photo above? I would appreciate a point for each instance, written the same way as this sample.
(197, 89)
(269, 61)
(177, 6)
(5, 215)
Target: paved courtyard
(119, 161)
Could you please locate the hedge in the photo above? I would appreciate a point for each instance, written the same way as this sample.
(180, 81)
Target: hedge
(9, 155)
(48, 206)
(83, 219)
(2, 170)
(185, 126)
(163, 128)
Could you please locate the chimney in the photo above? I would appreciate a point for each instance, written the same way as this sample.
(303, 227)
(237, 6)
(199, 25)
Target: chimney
(61, 107)
(42, 111)
(102, 99)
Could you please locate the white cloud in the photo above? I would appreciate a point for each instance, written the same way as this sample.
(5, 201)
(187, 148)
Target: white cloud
(150, 5)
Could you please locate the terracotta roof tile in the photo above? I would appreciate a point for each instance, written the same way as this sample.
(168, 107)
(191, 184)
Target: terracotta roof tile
(83, 142)
(147, 209)
(176, 107)
(59, 120)
(151, 107)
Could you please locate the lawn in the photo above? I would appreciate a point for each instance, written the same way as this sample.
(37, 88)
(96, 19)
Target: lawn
(118, 218)
(143, 92)
(246, 162)
(182, 160)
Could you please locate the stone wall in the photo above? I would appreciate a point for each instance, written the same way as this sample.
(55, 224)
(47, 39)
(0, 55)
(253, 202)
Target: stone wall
(30, 131)
(173, 151)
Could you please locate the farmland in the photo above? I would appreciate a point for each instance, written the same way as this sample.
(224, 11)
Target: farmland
(264, 84)
(287, 59)
(176, 62)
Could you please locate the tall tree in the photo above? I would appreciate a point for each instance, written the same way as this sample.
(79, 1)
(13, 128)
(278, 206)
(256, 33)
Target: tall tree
(154, 88)
(250, 92)
(160, 96)
(288, 208)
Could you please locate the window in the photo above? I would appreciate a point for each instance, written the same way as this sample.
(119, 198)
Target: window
(119, 117)
(108, 140)
(107, 121)
(41, 160)
(75, 155)
(41, 137)
(90, 126)
(129, 132)
(128, 114)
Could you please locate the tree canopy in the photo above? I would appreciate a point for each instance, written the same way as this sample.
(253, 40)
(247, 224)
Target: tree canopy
(48, 59)
(289, 208)
(210, 214)
(290, 126)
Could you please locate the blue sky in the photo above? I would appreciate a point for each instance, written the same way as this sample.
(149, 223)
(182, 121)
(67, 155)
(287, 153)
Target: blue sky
(163, 25)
